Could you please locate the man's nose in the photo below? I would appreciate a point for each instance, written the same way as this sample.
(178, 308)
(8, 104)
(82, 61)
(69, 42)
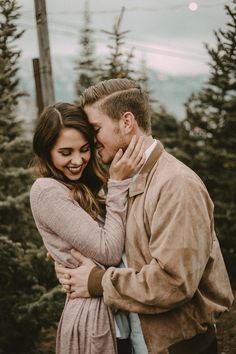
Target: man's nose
(96, 142)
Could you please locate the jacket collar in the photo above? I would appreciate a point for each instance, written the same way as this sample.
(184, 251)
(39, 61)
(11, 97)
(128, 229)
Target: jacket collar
(138, 185)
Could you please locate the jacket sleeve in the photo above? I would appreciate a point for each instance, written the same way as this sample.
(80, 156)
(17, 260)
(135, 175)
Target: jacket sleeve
(57, 212)
(180, 246)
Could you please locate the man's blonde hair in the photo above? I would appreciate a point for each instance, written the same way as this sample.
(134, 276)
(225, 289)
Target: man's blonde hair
(117, 96)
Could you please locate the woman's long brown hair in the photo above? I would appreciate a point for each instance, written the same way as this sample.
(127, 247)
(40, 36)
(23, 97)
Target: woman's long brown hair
(86, 191)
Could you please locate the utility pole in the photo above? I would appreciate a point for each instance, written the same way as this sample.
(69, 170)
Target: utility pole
(38, 85)
(44, 53)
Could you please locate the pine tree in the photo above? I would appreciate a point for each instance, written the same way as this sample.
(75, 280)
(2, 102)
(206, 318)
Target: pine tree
(8, 67)
(26, 279)
(87, 66)
(14, 148)
(210, 131)
(143, 76)
(119, 62)
(166, 128)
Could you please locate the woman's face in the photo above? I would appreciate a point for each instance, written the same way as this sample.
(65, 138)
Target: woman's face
(71, 153)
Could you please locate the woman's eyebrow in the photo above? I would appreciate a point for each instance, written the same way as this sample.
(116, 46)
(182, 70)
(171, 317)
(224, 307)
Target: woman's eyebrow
(64, 148)
(86, 144)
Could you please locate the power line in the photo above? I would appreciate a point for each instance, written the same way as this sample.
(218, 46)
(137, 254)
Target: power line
(140, 46)
(130, 39)
(169, 52)
(132, 9)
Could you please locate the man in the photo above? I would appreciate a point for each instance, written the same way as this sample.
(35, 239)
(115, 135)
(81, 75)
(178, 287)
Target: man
(175, 278)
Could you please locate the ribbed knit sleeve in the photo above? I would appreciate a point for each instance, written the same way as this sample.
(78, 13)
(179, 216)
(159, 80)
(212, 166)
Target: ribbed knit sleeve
(61, 220)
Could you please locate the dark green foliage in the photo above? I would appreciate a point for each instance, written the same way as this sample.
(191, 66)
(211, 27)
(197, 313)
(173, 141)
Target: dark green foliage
(15, 217)
(18, 287)
(166, 128)
(210, 132)
(29, 300)
(24, 303)
(9, 55)
(15, 151)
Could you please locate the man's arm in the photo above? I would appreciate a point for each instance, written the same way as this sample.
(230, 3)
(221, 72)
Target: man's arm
(180, 245)
(75, 281)
(181, 240)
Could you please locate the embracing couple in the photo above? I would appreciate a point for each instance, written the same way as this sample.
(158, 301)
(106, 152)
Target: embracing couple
(140, 263)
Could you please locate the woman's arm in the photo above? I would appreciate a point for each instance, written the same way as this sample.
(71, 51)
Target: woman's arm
(54, 209)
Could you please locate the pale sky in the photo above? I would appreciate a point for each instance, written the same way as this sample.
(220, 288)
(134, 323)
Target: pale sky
(168, 34)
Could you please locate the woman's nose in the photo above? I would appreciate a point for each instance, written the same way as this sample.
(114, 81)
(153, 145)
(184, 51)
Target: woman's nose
(76, 159)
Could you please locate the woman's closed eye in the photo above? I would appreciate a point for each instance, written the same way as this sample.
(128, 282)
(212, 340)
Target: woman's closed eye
(85, 148)
(65, 153)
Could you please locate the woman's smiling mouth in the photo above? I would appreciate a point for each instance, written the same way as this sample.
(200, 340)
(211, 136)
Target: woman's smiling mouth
(74, 169)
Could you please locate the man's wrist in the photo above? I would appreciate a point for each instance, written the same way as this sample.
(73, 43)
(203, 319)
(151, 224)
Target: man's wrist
(95, 282)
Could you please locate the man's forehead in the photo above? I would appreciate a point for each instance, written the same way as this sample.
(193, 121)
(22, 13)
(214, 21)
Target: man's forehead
(94, 120)
(92, 107)
(95, 115)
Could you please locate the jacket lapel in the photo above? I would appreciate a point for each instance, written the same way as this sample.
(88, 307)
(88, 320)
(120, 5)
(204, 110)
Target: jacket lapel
(138, 185)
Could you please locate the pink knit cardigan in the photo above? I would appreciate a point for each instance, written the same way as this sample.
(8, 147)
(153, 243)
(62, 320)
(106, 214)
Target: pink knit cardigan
(86, 325)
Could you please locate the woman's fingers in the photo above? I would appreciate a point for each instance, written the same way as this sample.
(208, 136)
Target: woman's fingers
(66, 288)
(117, 157)
(136, 158)
(130, 147)
(125, 164)
(135, 148)
(138, 151)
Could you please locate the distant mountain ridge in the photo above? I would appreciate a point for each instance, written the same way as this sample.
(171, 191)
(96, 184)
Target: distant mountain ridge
(171, 91)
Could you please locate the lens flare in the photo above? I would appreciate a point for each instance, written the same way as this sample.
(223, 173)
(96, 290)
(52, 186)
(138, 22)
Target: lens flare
(193, 6)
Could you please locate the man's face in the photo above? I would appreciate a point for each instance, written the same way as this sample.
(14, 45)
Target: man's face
(108, 136)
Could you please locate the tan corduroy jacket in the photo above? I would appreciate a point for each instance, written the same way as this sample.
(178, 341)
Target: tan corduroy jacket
(177, 280)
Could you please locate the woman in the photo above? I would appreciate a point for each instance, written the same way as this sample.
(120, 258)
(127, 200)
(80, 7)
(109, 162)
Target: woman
(69, 212)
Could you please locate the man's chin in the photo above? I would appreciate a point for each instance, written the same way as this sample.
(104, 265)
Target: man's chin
(106, 160)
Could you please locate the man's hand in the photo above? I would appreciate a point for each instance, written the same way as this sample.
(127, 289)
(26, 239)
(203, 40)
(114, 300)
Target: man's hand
(75, 281)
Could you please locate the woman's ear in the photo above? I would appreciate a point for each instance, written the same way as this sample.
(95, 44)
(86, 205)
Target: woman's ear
(127, 121)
